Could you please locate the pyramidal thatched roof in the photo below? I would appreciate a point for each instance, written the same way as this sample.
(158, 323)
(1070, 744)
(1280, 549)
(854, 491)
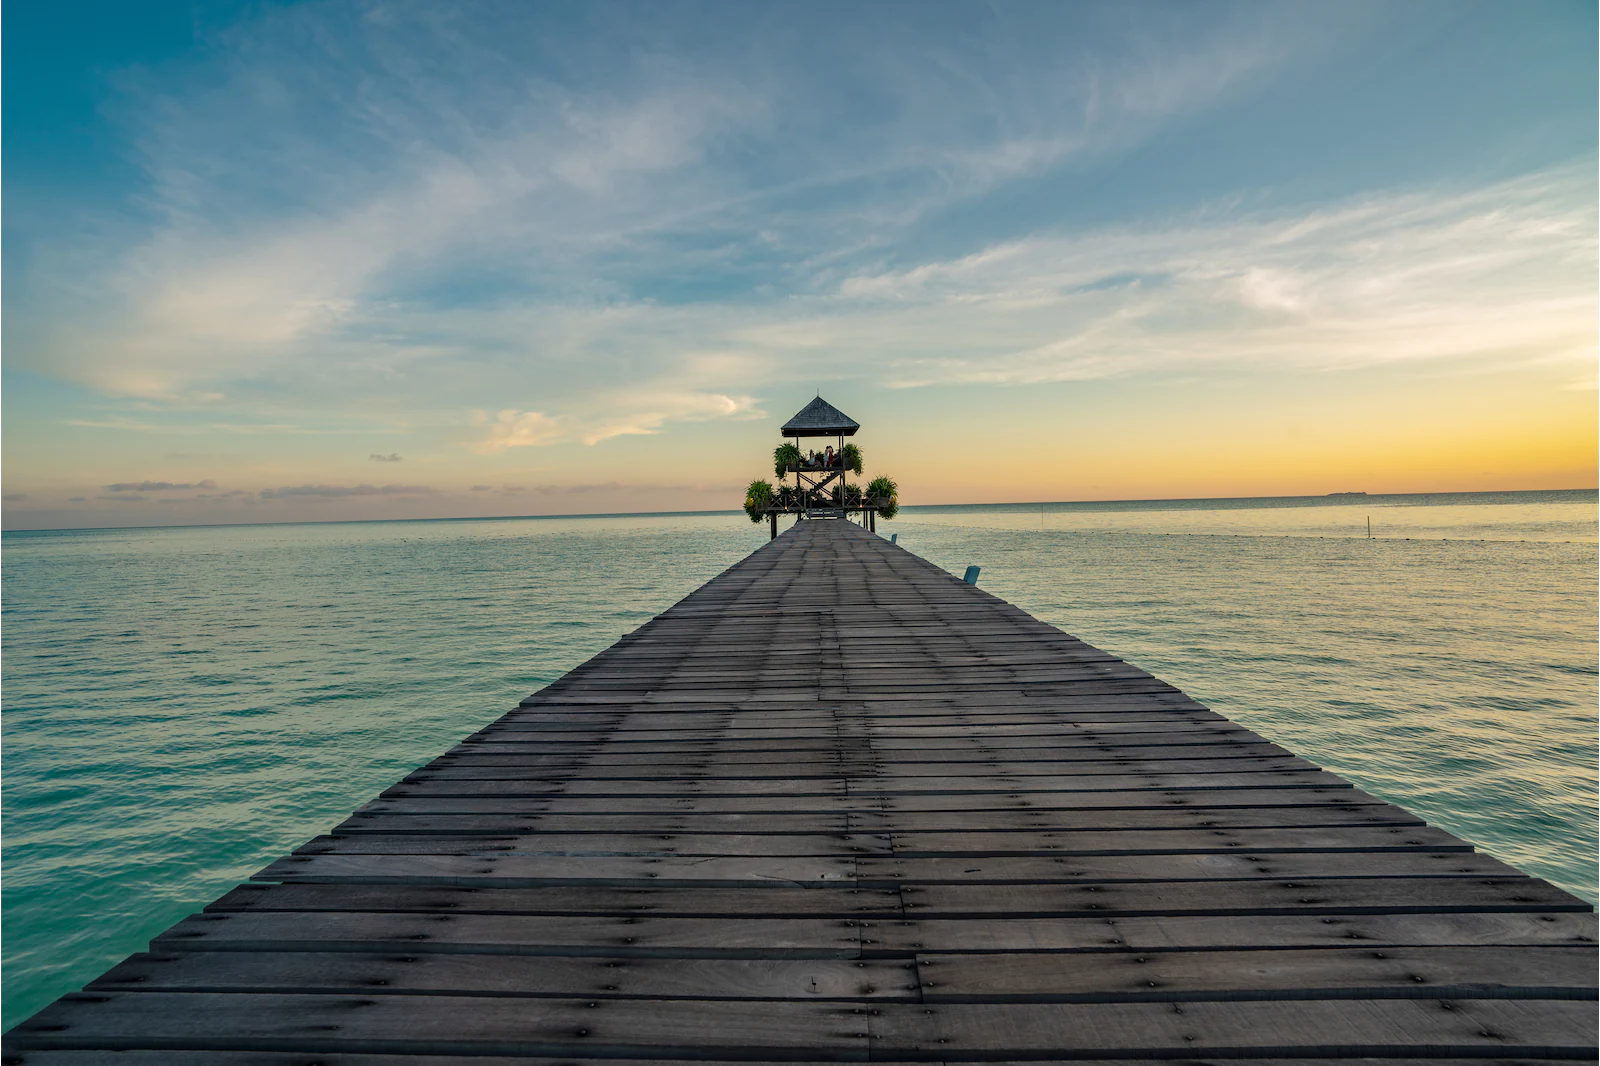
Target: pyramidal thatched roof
(819, 418)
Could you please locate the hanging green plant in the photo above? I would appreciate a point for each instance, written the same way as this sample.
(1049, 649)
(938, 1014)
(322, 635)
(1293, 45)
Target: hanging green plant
(850, 455)
(757, 498)
(784, 456)
(884, 489)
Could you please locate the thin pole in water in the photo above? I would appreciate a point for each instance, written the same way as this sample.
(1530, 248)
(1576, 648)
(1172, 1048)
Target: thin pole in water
(1369, 527)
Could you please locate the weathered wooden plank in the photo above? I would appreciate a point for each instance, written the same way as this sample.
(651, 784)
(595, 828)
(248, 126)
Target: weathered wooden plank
(514, 768)
(950, 705)
(616, 977)
(1072, 749)
(630, 1028)
(773, 938)
(397, 817)
(1341, 895)
(669, 696)
(1217, 933)
(1129, 799)
(558, 845)
(1156, 712)
(1336, 1028)
(519, 871)
(1519, 972)
(1179, 867)
(770, 901)
(393, 820)
(1318, 798)
(444, 1025)
(431, 783)
(225, 1057)
(953, 750)
(1175, 841)
(911, 845)
(512, 870)
(557, 803)
(1062, 724)
(1036, 819)
(1265, 778)
(1098, 674)
(425, 784)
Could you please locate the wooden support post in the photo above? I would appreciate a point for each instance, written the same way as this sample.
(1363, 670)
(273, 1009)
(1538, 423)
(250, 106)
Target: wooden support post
(774, 519)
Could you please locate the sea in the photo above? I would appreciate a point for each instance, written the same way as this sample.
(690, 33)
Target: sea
(183, 705)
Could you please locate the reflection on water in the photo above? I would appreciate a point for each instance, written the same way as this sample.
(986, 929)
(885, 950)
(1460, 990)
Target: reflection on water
(183, 705)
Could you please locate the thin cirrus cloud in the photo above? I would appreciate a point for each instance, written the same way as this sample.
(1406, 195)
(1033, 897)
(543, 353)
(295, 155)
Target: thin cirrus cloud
(1499, 273)
(583, 205)
(343, 491)
(158, 486)
(529, 429)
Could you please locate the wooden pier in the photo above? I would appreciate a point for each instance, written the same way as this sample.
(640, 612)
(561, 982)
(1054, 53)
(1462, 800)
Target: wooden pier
(838, 806)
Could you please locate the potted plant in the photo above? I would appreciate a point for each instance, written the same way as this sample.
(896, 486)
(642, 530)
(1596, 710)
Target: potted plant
(757, 498)
(850, 458)
(886, 495)
(785, 457)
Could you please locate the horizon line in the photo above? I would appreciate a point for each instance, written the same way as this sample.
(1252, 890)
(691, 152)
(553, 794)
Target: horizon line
(1351, 495)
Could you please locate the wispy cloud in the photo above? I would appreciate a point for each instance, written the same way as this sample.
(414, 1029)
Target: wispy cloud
(328, 224)
(1503, 271)
(392, 457)
(338, 491)
(203, 429)
(159, 486)
(613, 488)
(621, 417)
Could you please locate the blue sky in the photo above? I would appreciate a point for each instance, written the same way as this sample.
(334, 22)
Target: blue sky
(536, 248)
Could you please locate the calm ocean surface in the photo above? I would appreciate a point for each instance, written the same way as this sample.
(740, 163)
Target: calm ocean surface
(183, 705)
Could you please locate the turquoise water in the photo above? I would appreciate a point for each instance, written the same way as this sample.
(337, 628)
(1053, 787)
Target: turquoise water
(183, 705)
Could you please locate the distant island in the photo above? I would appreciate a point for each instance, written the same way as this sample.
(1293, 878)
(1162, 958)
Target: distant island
(1346, 494)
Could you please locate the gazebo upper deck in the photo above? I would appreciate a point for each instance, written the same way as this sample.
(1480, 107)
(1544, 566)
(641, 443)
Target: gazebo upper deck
(819, 418)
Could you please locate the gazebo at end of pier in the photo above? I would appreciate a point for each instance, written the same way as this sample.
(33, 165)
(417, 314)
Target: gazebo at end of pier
(822, 489)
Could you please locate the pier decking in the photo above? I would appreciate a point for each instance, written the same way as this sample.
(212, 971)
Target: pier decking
(837, 805)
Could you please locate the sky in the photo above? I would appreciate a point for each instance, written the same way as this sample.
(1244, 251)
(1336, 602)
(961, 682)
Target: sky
(366, 260)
